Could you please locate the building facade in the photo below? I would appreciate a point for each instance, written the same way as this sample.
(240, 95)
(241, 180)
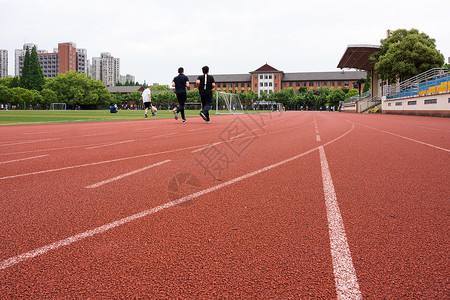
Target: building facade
(269, 80)
(63, 59)
(127, 78)
(3, 63)
(106, 68)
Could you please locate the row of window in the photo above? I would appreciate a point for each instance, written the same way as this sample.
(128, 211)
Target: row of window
(414, 102)
(318, 83)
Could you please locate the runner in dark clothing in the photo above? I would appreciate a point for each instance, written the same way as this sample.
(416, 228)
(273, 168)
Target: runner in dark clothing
(180, 83)
(205, 84)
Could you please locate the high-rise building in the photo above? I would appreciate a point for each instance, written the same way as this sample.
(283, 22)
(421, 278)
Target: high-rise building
(65, 58)
(124, 78)
(3, 63)
(106, 68)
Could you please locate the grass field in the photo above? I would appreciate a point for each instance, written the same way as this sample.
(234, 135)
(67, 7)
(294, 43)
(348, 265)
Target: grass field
(24, 117)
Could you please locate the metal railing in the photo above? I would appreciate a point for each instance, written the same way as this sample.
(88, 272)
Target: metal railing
(368, 103)
(414, 85)
(357, 98)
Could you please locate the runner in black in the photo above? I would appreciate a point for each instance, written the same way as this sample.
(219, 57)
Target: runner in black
(180, 83)
(205, 84)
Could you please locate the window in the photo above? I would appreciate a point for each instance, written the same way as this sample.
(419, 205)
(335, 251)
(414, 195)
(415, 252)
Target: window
(270, 83)
(256, 85)
(266, 77)
(389, 104)
(430, 101)
(346, 83)
(297, 84)
(265, 84)
(398, 103)
(311, 83)
(325, 83)
(332, 83)
(412, 102)
(304, 83)
(284, 84)
(290, 83)
(261, 84)
(276, 85)
(261, 76)
(270, 76)
(275, 76)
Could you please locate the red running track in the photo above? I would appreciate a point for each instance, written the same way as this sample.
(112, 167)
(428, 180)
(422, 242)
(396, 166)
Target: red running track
(281, 205)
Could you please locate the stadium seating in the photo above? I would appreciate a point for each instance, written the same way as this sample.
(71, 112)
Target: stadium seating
(432, 85)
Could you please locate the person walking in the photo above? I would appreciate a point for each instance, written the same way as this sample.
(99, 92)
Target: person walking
(205, 84)
(147, 100)
(180, 83)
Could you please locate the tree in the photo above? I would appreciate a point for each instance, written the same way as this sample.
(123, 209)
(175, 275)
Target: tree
(76, 89)
(351, 93)
(367, 83)
(335, 97)
(25, 70)
(406, 53)
(32, 77)
(359, 83)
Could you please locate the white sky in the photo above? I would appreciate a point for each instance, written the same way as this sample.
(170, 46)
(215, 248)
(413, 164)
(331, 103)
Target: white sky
(154, 38)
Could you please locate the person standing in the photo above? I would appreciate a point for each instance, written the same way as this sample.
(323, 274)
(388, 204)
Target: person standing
(147, 99)
(180, 83)
(205, 84)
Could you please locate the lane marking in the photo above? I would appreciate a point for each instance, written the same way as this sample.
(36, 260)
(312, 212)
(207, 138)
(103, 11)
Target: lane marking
(29, 142)
(48, 149)
(98, 163)
(344, 272)
(96, 185)
(21, 159)
(111, 144)
(163, 135)
(207, 146)
(410, 139)
(89, 233)
(318, 138)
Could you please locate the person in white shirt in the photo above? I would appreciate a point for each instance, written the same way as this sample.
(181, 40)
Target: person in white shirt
(147, 100)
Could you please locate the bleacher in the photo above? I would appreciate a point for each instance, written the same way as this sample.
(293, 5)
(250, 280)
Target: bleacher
(430, 82)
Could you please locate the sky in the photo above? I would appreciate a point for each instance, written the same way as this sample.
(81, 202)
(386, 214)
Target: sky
(154, 38)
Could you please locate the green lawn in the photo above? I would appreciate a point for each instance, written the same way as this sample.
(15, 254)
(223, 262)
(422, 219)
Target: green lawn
(24, 117)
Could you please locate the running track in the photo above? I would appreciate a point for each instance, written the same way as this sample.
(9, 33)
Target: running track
(281, 205)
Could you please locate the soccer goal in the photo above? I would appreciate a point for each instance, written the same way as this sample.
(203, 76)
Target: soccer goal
(58, 106)
(228, 103)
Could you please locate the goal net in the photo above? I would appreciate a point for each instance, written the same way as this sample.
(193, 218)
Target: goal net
(58, 106)
(228, 103)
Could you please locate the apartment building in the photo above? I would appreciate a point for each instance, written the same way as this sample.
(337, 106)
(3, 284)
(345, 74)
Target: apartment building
(3, 63)
(124, 78)
(63, 59)
(267, 79)
(106, 68)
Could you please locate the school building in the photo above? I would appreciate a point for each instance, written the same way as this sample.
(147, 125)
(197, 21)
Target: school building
(268, 79)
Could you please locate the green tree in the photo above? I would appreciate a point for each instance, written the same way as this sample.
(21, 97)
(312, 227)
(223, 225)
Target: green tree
(22, 96)
(6, 94)
(24, 80)
(32, 77)
(76, 89)
(367, 83)
(335, 97)
(351, 93)
(48, 97)
(406, 53)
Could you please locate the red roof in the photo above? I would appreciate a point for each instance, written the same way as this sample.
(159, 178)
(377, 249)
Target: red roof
(266, 68)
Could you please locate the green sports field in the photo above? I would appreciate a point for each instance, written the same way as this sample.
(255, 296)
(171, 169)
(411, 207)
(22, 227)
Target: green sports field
(26, 117)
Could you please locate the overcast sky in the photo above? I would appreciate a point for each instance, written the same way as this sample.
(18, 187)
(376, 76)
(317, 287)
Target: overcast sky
(154, 38)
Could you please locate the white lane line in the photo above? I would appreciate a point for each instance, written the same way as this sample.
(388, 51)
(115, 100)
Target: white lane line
(21, 159)
(99, 162)
(96, 185)
(318, 138)
(111, 144)
(49, 149)
(207, 146)
(89, 233)
(344, 272)
(317, 129)
(410, 139)
(29, 142)
(163, 135)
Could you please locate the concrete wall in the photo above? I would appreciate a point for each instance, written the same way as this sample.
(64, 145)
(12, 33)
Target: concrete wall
(430, 105)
